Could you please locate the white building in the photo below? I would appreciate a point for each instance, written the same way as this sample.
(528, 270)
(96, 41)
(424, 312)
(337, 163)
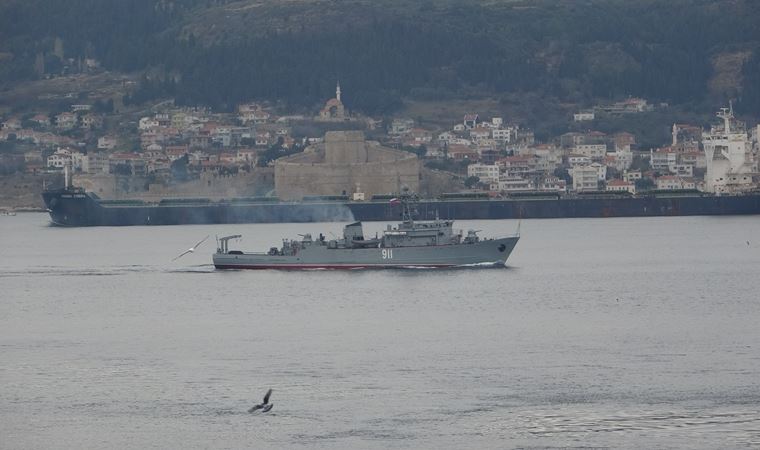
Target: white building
(502, 135)
(601, 171)
(621, 186)
(420, 135)
(460, 141)
(593, 151)
(682, 170)
(66, 120)
(470, 121)
(488, 173)
(11, 124)
(400, 126)
(106, 143)
(60, 158)
(78, 161)
(547, 157)
(672, 182)
(696, 159)
(147, 123)
(632, 176)
(92, 121)
(479, 134)
(553, 183)
(446, 137)
(583, 116)
(95, 162)
(509, 183)
(623, 159)
(662, 160)
(585, 178)
(578, 160)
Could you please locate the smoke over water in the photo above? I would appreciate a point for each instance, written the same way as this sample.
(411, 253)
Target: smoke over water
(223, 213)
(290, 212)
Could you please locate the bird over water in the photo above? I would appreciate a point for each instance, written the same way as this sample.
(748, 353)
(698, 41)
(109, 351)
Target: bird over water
(264, 406)
(190, 250)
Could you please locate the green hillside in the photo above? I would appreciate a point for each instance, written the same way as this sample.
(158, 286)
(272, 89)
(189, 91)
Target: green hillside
(695, 53)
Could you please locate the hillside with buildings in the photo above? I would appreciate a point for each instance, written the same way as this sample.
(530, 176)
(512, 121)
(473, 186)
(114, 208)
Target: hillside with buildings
(259, 151)
(190, 98)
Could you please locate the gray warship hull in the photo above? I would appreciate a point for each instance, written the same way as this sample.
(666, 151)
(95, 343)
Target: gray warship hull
(486, 252)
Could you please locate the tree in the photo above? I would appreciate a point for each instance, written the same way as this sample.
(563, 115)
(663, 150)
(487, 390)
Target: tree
(469, 182)
(639, 163)
(122, 169)
(644, 184)
(563, 174)
(420, 151)
(101, 106)
(179, 168)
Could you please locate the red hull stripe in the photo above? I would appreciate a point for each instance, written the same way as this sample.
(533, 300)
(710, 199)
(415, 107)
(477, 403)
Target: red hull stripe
(330, 266)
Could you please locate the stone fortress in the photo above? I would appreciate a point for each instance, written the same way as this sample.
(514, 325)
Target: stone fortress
(345, 164)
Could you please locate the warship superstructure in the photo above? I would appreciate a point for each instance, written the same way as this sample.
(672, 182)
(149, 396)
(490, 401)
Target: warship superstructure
(411, 243)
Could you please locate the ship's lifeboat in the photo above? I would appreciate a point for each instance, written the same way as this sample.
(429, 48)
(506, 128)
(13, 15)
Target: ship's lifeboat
(361, 243)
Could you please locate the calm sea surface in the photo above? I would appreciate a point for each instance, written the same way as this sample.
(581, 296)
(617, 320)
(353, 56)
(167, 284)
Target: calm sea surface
(623, 333)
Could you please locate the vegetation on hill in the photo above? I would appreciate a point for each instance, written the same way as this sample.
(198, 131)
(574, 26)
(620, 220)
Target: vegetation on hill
(219, 53)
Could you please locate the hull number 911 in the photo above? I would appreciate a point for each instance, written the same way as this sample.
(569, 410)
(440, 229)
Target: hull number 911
(387, 253)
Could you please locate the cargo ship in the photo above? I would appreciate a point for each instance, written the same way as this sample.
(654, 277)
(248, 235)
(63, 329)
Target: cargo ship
(71, 206)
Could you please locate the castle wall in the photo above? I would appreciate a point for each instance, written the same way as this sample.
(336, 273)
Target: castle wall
(348, 161)
(345, 147)
(257, 183)
(293, 181)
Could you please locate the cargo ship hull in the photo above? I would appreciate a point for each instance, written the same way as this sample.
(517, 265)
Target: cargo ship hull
(77, 208)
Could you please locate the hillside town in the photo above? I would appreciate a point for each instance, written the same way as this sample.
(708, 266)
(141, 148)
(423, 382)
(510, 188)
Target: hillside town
(485, 154)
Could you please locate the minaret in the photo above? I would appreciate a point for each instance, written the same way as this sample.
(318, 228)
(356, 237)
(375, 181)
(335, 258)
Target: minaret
(675, 135)
(337, 92)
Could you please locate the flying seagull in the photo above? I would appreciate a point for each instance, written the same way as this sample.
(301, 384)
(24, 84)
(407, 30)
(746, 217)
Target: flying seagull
(190, 250)
(264, 406)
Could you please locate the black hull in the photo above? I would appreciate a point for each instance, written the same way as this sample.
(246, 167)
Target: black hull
(79, 209)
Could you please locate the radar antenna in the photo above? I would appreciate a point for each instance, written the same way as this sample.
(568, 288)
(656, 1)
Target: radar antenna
(409, 202)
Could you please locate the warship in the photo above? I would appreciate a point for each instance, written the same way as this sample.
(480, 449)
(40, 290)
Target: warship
(410, 244)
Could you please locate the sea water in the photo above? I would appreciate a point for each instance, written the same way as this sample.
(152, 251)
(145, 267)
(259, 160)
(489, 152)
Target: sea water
(623, 333)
